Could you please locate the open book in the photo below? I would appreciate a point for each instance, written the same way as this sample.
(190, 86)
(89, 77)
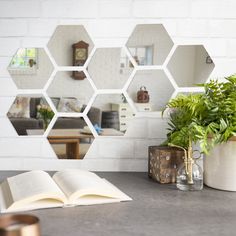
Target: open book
(37, 189)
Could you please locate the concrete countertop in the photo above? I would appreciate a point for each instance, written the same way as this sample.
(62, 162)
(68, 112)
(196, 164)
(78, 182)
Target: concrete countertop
(155, 210)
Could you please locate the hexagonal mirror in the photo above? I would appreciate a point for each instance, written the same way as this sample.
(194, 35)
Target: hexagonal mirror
(110, 68)
(30, 114)
(150, 90)
(30, 68)
(149, 44)
(190, 65)
(115, 114)
(70, 45)
(70, 138)
(68, 94)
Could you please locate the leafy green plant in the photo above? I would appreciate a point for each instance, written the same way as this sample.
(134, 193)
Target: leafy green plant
(46, 113)
(208, 118)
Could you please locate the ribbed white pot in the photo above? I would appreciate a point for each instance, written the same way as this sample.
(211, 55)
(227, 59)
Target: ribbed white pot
(220, 166)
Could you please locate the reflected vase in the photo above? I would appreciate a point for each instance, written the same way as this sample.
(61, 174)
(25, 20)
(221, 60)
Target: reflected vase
(45, 123)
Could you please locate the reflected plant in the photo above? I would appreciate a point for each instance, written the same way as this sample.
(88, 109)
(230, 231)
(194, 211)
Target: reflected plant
(45, 112)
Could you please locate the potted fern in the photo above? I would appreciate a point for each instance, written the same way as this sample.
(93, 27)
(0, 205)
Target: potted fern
(184, 131)
(210, 120)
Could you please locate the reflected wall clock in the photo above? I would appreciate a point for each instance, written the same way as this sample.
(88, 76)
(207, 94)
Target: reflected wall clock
(80, 55)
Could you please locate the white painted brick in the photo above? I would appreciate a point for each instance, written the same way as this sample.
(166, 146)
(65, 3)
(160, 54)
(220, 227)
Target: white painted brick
(23, 147)
(111, 42)
(8, 87)
(34, 42)
(192, 28)
(4, 62)
(223, 67)
(170, 26)
(5, 104)
(216, 47)
(161, 8)
(7, 130)
(41, 27)
(213, 8)
(157, 128)
(15, 8)
(189, 40)
(49, 164)
(141, 147)
(13, 27)
(231, 48)
(92, 164)
(7, 163)
(47, 150)
(222, 28)
(116, 8)
(70, 9)
(138, 128)
(9, 46)
(112, 28)
(3, 72)
(93, 150)
(75, 21)
(116, 148)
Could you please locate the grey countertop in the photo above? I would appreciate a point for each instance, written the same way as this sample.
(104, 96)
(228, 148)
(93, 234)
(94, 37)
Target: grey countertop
(155, 210)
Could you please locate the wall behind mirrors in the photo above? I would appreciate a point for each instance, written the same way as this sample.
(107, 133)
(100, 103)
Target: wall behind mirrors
(190, 65)
(110, 68)
(98, 99)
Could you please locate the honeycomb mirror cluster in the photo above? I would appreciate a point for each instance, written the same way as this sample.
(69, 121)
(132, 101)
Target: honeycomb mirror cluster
(72, 92)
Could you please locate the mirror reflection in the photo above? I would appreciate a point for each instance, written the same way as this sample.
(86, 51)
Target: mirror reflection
(110, 68)
(116, 114)
(150, 90)
(190, 65)
(69, 95)
(30, 115)
(30, 68)
(70, 138)
(149, 44)
(70, 45)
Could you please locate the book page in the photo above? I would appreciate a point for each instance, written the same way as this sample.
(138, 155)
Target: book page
(73, 180)
(78, 183)
(33, 186)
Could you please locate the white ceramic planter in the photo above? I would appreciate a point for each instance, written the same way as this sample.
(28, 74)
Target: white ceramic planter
(220, 167)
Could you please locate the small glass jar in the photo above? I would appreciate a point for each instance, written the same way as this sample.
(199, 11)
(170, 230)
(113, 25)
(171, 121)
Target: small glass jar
(190, 183)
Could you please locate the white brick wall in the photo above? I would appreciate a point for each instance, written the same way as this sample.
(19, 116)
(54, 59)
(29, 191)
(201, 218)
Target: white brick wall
(31, 22)
(161, 8)
(20, 9)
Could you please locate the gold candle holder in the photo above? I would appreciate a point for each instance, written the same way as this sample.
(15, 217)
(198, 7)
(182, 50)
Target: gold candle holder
(19, 225)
